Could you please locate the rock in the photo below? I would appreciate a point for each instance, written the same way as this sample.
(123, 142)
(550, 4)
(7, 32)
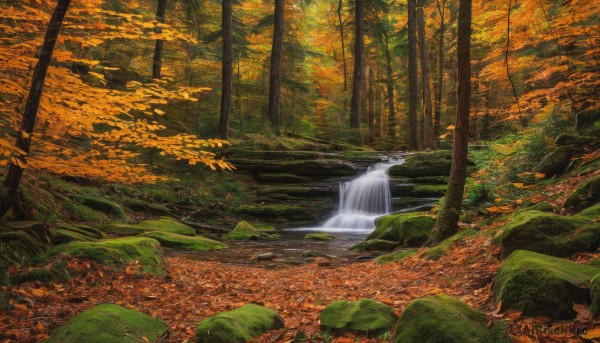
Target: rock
(435, 163)
(363, 317)
(592, 212)
(117, 253)
(440, 318)
(435, 253)
(297, 191)
(271, 211)
(315, 169)
(109, 323)
(585, 195)
(555, 163)
(432, 180)
(375, 245)
(177, 241)
(567, 139)
(587, 118)
(102, 205)
(594, 294)
(65, 233)
(282, 178)
(541, 285)
(238, 326)
(395, 256)
(428, 190)
(549, 234)
(21, 246)
(265, 257)
(541, 206)
(320, 236)
(411, 229)
(245, 231)
(400, 189)
(142, 205)
(164, 224)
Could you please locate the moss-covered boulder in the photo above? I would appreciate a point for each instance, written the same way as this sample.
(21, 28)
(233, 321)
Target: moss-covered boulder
(411, 229)
(549, 234)
(177, 241)
(319, 236)
(364, 317)
(394, 256)
(164, 224)
(591, 212)
(65, 233)
(246, 231)
(428, 190)
(109, 323)
(240, 325)
(436, 252)
(102, 205)
(375, 245)
(595, 294)
(567, 139)
(440, 318)
(542, 285)
(585, 195)
(117, 253)
(556, 161)
(435, 163)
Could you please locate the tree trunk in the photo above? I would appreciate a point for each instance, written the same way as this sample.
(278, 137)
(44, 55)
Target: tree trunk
(358, 84)
(371, 104)
(390, 89)
(512, 84)
(339, 13)
(447, 221)
(425, 82)
(226, 71)
(158, 48)
(275, 72)
(412, 76)
(440, 75)
(10, 186)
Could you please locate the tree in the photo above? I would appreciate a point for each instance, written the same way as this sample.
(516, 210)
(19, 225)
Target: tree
(158, 48)
(447, 220)
(10, 186)
(425, 80)
(358, 83)
(506, 51)
(227, 69)
(412, 76)
(440, 76)
(275, 71)
(341, 23)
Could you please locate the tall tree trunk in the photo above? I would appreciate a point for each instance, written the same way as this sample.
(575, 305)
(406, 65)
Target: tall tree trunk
(275, 73)
(440, 75)
(506, 50)
(413, 87)
(158, 48)
(390, 89)
(226, 70)
(358, 84)
(371, 104)
(425, 82)
(10, 186)
(339, 13)
(447, 220)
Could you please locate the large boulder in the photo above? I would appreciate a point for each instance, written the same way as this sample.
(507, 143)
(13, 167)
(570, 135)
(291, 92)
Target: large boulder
(375, 245)
(541, 285)
(440, 318)
(164, 224)
(549, 234)
(240, 325)
(177, 241)
(364, 317)
(556, 162)
(435, 163)
(585, 195)
(117, 253)
(109, 323)
(411, 229)
(246, 231)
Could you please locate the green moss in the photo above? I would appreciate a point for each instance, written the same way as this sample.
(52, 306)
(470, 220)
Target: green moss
(441, 318)
(116, 253)
(271, 211)
(142, 205)
(435, 163)
(102, 205)
(585, 195)
(592, 212)
(428, 190)
(246, 231)
(375, 245)
(556, 161)
(240, 325)
(435, 253)
(567, 139)
(320, 236)
(541, 206)
(411, 229)
(549, 234)
(595, 294)
(109, 323)
(541, 285)
(395, 256)
(164, 224)
(173, 240)
(79, 212)
(364, 316)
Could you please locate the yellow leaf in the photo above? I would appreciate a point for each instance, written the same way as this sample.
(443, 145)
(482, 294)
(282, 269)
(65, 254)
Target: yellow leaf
(159, 112)
(540, 175)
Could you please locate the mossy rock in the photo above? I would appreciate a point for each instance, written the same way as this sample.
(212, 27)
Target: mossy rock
(177, 241)
(109, 323)
(435, 163)
(540, 206)
(555, 163)
(549, 234)
(240, 325)
(164, 224)
(436, 252)
(394, 256)
(592, 212)
(567, 139)
(411, 229)
(270, 211)
(586, 118)
(18, 247)
(432, 180)
(440, 318)
(363, 317)
(320, 236)
(585, 195)
(101, 205)
(542, 285)
(142, 205)
(375, 245)
(428, 190)
(282, 178)
(117, 253)
(65, 233)
(246, 231)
